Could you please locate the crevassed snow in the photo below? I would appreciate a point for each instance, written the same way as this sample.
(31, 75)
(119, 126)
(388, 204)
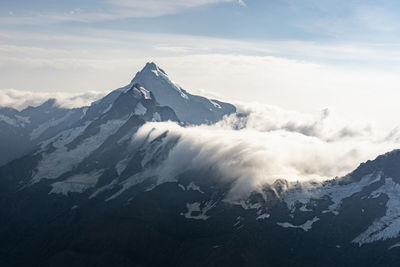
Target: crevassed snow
(76, 184)
(387, 226)
(43, 127)
(304, 193)
(140, 109)
(305, 226)
(61, 160)
(196, 207)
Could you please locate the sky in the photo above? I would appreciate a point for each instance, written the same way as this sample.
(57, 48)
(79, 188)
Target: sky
(299, 55)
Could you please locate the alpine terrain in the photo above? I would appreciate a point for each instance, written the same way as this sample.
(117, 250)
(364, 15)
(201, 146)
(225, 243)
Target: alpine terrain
(80, 187)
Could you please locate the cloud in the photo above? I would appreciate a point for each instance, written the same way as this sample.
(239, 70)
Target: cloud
(257, 149)
(21, 99)
(109, 10)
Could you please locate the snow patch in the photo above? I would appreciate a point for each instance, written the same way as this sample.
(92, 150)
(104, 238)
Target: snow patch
(37, 132)
(194, 187)
(263, 216)
(215, 104)
(18, 121)
(196, 207)
(305, 226)
(76, 184)
(387, 226)
(303, 193)
(62, 160)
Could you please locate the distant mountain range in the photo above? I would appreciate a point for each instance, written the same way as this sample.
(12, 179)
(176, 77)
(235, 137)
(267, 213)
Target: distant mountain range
(78, 189)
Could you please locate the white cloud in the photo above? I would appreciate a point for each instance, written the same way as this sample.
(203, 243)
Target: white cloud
(21, 99)
(304, 76)
(254, 156)
(111, 10)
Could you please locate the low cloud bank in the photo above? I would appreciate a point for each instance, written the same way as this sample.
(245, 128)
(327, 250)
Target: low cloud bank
(266, 143)
(19, 99)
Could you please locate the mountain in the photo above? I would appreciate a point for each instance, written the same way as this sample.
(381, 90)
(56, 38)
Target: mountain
(190, 108)
(97, 197)
(100, 191)
(79, 151)
(22, 131)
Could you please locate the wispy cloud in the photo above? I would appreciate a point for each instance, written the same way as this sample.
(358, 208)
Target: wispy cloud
(109, 10)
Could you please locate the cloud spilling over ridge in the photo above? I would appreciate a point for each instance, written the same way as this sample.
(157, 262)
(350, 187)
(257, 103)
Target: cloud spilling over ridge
(19, 99)
(268, 144)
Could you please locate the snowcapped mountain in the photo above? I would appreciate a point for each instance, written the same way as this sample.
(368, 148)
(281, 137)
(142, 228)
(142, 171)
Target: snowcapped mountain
(190, 108)
(22, 131)
(78, 152)
(94, 192)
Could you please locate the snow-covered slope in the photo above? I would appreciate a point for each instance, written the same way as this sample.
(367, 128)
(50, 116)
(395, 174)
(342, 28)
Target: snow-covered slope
(90, 146)
(189, 108)
(21, 131)
(94, 192)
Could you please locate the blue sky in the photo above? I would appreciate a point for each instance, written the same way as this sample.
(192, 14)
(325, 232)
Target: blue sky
(302, 55)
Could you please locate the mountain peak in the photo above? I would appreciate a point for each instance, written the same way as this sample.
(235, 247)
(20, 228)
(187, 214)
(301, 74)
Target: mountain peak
(151, 66)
